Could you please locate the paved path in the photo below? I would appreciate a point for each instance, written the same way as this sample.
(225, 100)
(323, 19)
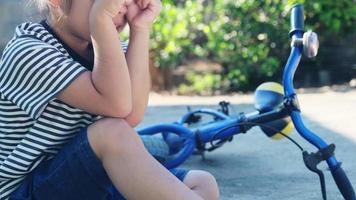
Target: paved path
(253, 167)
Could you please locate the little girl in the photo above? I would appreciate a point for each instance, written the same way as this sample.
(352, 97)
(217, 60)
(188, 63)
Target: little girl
(70, 95)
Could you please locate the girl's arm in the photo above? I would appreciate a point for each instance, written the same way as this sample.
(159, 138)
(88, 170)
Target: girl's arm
(107, 89)
(140, 15)
(110, 74)
(138, 62)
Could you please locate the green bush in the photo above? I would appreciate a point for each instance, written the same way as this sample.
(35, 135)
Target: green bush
(204, 84)
(247, 37)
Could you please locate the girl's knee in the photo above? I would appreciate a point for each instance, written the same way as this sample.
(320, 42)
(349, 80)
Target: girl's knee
(204, 183)
(112, 136)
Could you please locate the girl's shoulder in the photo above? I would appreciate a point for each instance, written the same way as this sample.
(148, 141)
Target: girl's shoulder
(29, 29)
(34, 68)
(32, 36)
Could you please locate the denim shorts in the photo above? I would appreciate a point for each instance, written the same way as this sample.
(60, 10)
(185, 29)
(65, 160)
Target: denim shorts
(75, 173)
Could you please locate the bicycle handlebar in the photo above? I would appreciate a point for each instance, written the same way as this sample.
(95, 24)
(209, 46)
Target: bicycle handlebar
(343, 183)
(297, 19)
(297, 30)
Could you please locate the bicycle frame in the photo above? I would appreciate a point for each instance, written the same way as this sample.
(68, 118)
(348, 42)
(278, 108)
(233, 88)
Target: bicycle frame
(225, 126)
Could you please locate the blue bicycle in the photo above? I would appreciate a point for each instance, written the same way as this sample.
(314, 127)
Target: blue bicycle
(277, 109)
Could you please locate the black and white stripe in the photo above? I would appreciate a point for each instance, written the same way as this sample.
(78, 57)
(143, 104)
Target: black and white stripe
(34, 125)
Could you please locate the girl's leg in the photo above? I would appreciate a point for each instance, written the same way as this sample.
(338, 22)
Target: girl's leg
(203, 184)
(133, 171)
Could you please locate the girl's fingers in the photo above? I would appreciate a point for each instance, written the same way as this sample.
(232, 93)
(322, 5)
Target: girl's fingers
(143, 4)
(128, 2)
(146, 3)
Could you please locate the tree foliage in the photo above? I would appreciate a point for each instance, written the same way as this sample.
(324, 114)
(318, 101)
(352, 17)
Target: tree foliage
(247, 37)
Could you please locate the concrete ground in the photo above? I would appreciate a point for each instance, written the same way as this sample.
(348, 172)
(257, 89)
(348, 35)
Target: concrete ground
(255, 167)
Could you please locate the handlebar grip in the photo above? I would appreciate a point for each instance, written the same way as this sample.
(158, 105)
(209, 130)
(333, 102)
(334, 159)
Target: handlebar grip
(297, 19)
(343, 183)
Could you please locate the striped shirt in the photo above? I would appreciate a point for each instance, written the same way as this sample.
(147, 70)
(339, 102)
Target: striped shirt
(35, 66)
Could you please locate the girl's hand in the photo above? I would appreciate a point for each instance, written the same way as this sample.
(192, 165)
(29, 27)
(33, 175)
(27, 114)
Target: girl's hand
(108, 8)
(142, 3)
(142, 13)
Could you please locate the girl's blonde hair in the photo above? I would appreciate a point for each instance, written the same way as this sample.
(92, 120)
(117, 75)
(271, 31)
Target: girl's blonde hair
(42, 6)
